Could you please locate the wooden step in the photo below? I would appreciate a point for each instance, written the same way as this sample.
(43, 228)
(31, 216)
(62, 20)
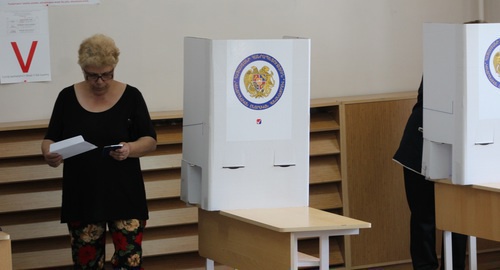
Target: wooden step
(25, 170)
(47, 199)
(53, 228)
(62, 256)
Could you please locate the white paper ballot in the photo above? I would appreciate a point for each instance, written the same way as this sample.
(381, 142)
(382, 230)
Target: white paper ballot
(71, 147)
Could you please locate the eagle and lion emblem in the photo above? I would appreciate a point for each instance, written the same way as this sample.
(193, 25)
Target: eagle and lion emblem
(259, 83)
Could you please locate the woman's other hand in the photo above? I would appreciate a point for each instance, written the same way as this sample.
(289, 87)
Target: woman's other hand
(139, 148)
(121, 153)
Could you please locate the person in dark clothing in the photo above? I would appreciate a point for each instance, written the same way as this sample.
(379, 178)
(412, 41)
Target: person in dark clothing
(102, 188)
(420, 197)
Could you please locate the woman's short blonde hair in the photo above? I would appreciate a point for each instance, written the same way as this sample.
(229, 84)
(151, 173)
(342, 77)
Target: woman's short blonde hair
(98, 51)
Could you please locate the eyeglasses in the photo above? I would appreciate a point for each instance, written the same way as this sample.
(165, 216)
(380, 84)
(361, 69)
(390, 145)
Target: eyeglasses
(95, 76)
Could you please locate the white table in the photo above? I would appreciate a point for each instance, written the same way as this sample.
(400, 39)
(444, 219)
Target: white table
(268, 238)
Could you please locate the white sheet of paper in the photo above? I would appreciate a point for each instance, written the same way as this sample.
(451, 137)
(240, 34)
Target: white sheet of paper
(71, 147)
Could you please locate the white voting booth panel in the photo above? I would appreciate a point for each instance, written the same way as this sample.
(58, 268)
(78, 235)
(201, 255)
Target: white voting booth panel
(246, 123)
(461, 124)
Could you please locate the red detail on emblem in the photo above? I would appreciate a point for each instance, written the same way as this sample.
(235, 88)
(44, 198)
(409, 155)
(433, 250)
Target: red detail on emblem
(24, 67)
(259, 81)
(258, 121)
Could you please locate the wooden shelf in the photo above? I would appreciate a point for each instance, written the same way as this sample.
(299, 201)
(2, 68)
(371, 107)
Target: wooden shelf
(324, 169)
(325, 196)
(323, 143)
(30, 196)
(311, 246)
(324, 120)
(325, 176)
(21, 143)
(24, 125)
(36, 256)
(24, 177)
(342, 130)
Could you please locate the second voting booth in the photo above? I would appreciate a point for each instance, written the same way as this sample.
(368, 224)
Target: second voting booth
(461, 102)
(461, 129)
(246, 123)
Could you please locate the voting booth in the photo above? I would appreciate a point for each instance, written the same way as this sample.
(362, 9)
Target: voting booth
(246, 123)
(461, 117)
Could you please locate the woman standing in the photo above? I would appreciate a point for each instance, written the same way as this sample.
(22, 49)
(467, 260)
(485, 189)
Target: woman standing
(102, 188)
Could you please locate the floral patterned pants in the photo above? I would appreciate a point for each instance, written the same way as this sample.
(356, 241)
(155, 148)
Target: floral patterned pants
(88, 242)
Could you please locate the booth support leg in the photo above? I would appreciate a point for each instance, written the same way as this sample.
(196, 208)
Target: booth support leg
(472, 253)
(324, 250)
(210, 265)
(448, 254)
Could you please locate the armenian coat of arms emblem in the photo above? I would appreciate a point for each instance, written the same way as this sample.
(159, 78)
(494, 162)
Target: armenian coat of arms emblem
(259, 81)
(492, 63)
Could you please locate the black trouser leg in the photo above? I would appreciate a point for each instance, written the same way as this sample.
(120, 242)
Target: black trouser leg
(420, 197)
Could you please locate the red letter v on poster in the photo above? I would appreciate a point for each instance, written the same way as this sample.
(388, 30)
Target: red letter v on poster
(25, 67)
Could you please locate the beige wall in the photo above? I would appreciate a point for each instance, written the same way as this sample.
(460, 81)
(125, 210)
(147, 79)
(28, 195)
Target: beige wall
(358, 46)
(491, 11)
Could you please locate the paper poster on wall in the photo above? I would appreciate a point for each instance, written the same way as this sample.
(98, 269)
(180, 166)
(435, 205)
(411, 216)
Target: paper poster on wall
(47, 3)
(24, 45)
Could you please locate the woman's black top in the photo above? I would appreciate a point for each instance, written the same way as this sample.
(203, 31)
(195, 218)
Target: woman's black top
(97, 187)
(409, 153)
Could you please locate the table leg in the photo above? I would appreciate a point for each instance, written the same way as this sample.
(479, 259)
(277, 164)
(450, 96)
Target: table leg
(472, 253)
(294, 250)
(448, 254)
(324, 250)
(210, 265)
